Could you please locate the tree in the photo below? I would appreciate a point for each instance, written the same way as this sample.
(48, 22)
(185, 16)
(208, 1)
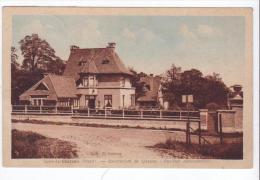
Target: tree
(170, 85)
(39, 58)
(14, 58)
(139, 86)
(205, 90)
(37, 53)
(21, 81)
(57, 66)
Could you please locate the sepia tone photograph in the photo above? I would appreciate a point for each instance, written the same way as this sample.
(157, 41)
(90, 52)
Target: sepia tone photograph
(127, 87)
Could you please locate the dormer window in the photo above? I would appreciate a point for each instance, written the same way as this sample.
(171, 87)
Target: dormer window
(122, 82)
(82, 63)
(105, 61)
(147, 87)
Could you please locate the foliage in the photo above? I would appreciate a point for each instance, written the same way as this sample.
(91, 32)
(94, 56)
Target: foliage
(14, 58)
(208, 89)
(37, 53)
(139, 86)
(39, 58)
(21, 81)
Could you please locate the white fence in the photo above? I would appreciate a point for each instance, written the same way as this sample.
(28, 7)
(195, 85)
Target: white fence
(107, 113)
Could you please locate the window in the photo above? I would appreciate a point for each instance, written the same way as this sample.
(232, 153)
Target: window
(123, 82)
(123, 97)
(85, 81)
(64, 103)
(37, 101)
(105, 61)
(132, 100)
(76, 102)
(148, 88)
(86, 100)
(91, 80)
(82, 63)
(108, 100)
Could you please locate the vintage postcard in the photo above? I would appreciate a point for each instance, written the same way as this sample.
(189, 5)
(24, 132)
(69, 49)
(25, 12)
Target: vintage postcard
(127, 87)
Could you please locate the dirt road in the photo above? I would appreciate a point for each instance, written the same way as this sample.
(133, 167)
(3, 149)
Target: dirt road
(107, 143)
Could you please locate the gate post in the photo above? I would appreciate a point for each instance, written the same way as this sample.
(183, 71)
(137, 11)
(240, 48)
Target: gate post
(199, 132)
(220, 128)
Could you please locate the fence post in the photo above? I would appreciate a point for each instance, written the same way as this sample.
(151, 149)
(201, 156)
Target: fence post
(123, 113)
(180, 115)
(187, 133)
(40, 109)
(25, 109)
(160, 114)
(56, 109)
(199, 133)
(220, 128)
(105, 113)
(71, 110)
(141, 114)
(88, 111)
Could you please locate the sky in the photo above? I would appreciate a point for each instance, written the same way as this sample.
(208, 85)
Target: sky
(150, 44)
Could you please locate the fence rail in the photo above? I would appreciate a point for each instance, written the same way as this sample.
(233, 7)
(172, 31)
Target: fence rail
(106, 113)
(181, 116)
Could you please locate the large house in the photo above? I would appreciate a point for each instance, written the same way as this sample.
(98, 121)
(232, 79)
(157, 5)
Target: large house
(93, 77)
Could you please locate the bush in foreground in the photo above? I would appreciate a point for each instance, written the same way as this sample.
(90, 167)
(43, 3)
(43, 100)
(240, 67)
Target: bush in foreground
(32, 145)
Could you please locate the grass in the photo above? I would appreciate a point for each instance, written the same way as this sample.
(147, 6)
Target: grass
(233, 150)
(26, 144)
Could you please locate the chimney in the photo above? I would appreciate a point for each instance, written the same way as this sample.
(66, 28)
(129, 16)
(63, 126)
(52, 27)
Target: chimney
(111, 45)
(73, 47)
(237, 88)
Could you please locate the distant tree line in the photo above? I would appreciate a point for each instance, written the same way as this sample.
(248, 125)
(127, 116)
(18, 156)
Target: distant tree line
(38, 58)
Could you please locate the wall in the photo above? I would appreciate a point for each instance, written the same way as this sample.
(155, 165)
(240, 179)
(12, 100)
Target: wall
(228, 120)
(212, 121)
(238, 117)
(203, 118)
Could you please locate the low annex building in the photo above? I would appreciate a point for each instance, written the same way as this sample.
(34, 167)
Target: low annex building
(93, 77)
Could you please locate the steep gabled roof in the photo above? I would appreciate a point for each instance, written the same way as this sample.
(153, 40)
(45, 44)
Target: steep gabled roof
(58, 87)
(97, 60)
